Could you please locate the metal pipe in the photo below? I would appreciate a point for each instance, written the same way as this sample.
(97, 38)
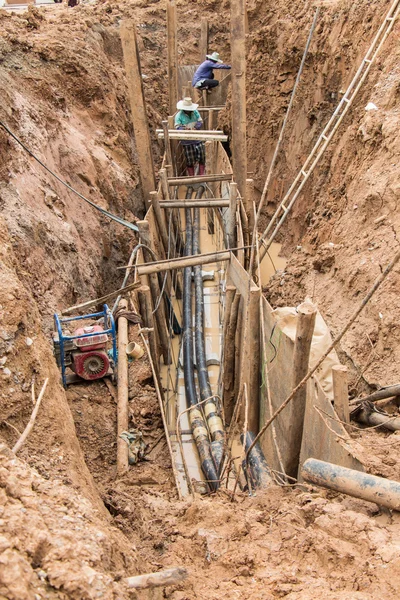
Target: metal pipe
(384, 492)
(214, 420)
(199, 430)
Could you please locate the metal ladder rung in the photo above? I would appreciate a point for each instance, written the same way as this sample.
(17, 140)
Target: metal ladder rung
(367, 60)
(324, 137)
(346, 100)
(283, 207)
(304, 173)
(389, 18)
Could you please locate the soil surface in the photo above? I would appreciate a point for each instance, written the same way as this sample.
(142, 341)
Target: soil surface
(69, 528)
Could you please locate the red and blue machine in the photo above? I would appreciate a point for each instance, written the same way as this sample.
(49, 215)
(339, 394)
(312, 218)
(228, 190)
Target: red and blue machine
(85, 352)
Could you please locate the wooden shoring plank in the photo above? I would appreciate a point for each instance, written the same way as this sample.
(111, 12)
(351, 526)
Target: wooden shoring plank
(301, 356)
(181, 263)
(341, 392)
(238, 52)
(172, 55)
(123, 389)
(214, 203)
(231, 220)
(138, 107)
(200, 179)
(204, 36)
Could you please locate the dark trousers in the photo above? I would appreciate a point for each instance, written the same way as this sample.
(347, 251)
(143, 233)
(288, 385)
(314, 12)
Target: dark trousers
(208, 84)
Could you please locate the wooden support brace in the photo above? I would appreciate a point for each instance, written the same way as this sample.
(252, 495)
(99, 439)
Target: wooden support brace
(231, 216)
(123, 389)
(302, 346)
(214, 203)
(138, 106)
(158, 579)
(155, 293)
(181, 263)
(172, 181)
(204, 33)
(172, 55)
(229, 357)
(144, 297)
(159, 216)
(167, 142)
(341, 392)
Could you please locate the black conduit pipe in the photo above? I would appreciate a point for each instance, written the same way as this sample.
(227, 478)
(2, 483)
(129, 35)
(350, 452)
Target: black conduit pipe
(214, 420)
(199, 430)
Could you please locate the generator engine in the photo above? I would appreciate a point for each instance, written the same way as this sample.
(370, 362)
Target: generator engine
(85, 350)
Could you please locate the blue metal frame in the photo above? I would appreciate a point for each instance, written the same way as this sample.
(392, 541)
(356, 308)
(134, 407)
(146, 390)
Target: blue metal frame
(109, 327)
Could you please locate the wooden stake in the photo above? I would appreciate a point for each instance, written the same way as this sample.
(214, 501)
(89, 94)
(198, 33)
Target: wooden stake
(159, 216)
(238, 51)
(144, 297)
(159, 579)
(248, 202)
(123, 391)
(172, 169)
(302, 346)
(231, 217)
(158, 303)
(172, 181)
(167, 142)
(341, 392)
(214, 203)
(229, 359)
(138, 106)
(172, 55)
(203, 46)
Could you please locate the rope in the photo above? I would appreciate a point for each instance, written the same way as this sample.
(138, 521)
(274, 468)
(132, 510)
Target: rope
(70, 188)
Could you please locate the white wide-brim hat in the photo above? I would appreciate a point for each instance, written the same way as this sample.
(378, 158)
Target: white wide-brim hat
(186, 104)
(214, 56)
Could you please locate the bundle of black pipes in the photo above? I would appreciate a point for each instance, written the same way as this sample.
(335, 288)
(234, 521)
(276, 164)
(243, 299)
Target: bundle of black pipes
(210, 453)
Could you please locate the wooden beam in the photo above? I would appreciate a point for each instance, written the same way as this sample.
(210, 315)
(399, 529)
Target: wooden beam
(195, 136)
(209, 108)
(204, 33)
(200, 179)
(214, 203)
(180, 263)
(189, 132)
(138, 107)
(160, 316)
(158, 579)
(231, 221)
(172, 55)
(302, 346)
(123, 389)
(238, 51)
(341, 392)
(159, 217)
(249, 199)
(167, 143)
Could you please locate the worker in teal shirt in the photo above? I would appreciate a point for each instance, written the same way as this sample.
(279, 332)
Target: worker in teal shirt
(188, 118)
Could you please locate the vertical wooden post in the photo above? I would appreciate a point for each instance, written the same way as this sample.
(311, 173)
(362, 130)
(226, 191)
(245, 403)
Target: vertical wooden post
(172, 55)
(302, 346)
(238, 50)
(249, 199)
(123, 390)
(159, 217)
(252, 375)
(138, 107)
(171, 169)
(231, 215)
(167, 143)
(160, 315)
(204, 32)
(144, 297)
(229, 359)
(212, 119)
(341, 392)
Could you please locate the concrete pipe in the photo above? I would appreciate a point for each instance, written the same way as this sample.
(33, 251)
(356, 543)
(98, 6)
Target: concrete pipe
(384, 492)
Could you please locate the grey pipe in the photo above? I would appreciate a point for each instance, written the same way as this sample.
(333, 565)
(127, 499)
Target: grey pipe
(384, 492)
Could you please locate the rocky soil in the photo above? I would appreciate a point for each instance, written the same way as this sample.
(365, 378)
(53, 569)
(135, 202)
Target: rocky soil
(68, 527)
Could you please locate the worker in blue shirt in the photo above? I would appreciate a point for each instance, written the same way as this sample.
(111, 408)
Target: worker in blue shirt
(188, 118)
(203, 79)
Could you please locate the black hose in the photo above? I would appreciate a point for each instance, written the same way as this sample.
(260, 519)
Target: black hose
(199, 430)
(214, 420)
